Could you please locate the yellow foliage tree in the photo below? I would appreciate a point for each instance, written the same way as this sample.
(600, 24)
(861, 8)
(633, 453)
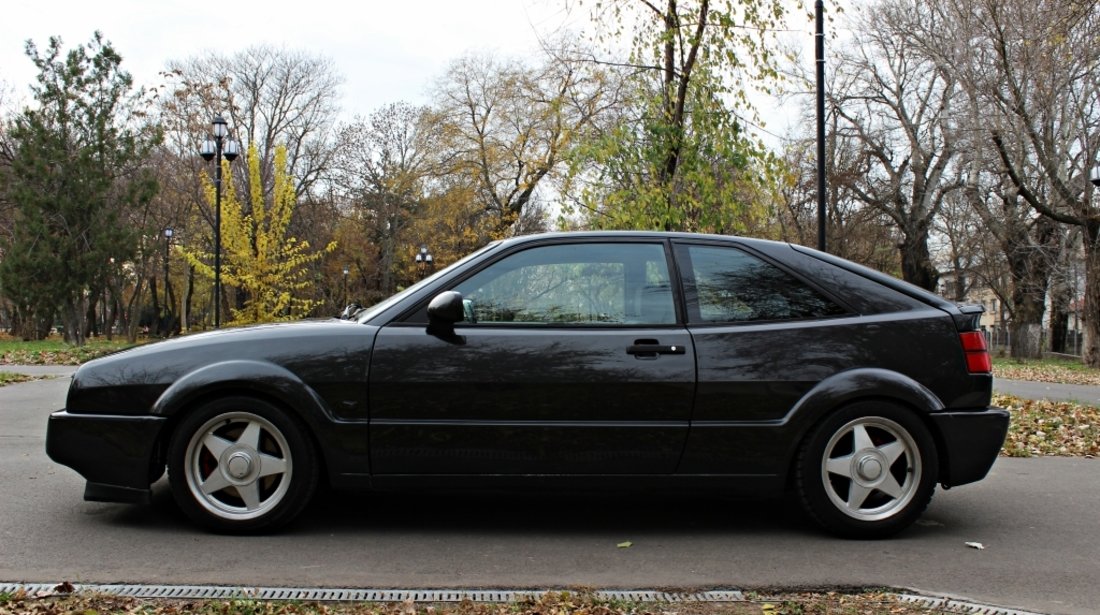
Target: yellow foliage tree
(258, 258)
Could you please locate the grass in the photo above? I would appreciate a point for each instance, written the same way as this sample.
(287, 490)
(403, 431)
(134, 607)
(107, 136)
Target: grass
(54, 351)
(557, 603)
(7, 378)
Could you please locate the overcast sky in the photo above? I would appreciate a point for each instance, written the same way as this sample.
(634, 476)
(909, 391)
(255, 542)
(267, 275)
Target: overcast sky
(386, 50)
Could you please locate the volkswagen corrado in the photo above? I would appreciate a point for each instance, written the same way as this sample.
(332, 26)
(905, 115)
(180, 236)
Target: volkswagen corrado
(627, 360)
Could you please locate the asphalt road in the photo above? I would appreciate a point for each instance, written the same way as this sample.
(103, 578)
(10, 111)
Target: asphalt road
(1044, 390)
(1038, 519)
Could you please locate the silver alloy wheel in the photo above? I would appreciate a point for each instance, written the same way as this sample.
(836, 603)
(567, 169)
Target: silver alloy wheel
(871, 468)
(238, 466)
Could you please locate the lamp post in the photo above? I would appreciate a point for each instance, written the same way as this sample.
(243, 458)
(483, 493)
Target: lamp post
(215, 148)
(167, 246)
(819, 53)
(346, 271)
(424, 260)
(106, 296)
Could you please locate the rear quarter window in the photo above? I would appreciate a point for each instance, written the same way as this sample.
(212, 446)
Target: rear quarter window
(729, 285)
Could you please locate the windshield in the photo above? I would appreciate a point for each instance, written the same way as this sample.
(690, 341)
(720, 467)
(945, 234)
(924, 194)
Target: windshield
(385, 304)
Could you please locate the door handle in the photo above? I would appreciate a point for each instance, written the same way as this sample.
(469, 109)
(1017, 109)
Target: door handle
(646, 348)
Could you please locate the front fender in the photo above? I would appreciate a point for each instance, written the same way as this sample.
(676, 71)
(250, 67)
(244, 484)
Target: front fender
(345, 452)
(246, 376)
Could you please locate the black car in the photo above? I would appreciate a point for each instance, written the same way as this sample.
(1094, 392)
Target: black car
(575, 360)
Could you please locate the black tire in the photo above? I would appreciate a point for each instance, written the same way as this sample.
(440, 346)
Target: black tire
(868, 470)
(241, 465)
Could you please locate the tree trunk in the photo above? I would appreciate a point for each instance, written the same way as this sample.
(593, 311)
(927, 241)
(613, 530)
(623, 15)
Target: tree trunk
(1061, 296)
(188, 294)
(91, 321)
(110, 314)
(1091, 310)
(1029, 276)
(916, 262)
(158, 309)
(133, 321)
(74, 322)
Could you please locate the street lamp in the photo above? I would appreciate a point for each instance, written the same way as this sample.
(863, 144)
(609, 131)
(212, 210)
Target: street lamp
(214, 148)
(167, 245)
(819, 56)
(346, 271)
(424, 260)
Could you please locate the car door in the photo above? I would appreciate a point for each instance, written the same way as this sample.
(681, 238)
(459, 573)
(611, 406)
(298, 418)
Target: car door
(572, 360)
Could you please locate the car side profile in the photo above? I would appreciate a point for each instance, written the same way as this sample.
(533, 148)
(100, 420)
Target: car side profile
(628, 360)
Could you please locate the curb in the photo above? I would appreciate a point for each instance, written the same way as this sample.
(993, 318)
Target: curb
(314, 594)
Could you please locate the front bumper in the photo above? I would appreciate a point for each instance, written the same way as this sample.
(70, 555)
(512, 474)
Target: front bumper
(969, 443)
(116, 454)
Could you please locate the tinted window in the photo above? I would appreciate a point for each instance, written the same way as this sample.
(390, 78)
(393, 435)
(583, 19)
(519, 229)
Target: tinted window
(730, 285)
(586, 283)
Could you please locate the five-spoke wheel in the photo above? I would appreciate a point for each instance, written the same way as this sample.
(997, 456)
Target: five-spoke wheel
(241, 464)
(868, 470)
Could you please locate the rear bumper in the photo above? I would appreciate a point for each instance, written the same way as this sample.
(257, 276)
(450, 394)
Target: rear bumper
(114, 453)
(969, 443)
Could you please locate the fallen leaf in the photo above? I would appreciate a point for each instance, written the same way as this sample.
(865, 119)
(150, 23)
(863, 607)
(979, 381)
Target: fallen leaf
(625, 545)
(64, 588)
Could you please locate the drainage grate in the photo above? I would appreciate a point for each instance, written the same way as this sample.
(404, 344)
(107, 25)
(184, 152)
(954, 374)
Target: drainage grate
(308, 594)
(957, 606)
(356, 595)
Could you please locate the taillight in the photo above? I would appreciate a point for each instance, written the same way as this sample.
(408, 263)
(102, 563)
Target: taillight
(977, 354)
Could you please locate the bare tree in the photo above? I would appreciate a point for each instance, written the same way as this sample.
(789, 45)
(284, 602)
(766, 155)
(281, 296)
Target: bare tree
(854, 230)
(381, 172)
(895, 101)
(269, 96)
(508, 125)
(1033, 70)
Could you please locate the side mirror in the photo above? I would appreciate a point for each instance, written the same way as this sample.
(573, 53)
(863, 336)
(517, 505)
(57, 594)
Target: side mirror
(350, 311)
(447, 307)
(444, 311)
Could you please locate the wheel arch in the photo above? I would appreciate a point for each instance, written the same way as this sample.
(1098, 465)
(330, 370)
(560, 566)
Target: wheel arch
(265, 381)
(854, 386)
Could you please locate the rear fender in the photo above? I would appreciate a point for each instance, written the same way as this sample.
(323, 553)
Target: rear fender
(856, 385)
(849, 386)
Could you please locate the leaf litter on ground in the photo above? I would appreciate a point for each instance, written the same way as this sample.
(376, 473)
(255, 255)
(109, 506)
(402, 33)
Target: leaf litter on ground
(1049, 428)
(553, 603)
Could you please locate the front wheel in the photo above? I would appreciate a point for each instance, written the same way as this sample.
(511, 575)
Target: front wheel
(242, 465)
(868, 470)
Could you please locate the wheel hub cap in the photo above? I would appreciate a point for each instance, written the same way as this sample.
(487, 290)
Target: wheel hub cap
(239, 465)
(869, 468)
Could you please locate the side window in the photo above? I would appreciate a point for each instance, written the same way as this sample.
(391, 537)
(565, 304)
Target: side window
(730, 285)
(588, 284)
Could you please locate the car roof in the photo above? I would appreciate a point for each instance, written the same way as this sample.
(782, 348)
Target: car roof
(638, 235)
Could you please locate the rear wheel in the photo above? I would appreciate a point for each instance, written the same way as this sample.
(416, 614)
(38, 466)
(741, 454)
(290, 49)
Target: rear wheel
(240, 464)
(868, 470)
